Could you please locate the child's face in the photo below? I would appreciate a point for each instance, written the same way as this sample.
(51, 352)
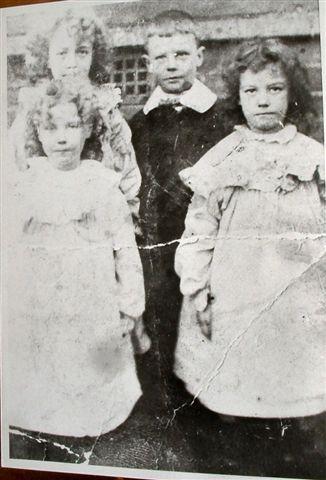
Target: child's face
(63, 136)
(69, 56)
(264, 98)
(174, 60)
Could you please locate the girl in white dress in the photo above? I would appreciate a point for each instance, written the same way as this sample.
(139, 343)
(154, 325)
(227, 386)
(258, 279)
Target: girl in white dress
(74, 283)
(252, 258)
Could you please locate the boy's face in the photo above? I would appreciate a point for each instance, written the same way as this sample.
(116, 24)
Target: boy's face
(264, 98)
(69, 56)
(173, 61)
(63, 136)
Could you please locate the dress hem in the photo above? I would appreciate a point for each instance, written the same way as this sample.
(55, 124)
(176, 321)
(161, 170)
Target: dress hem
(68, 433)
(235, 408)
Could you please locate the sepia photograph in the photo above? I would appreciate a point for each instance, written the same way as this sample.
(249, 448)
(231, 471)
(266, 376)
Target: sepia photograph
(163, 227)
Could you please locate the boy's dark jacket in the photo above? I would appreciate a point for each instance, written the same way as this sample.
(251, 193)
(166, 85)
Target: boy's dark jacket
(167, 141)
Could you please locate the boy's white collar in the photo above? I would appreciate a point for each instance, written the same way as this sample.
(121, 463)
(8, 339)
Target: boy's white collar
(199, 98)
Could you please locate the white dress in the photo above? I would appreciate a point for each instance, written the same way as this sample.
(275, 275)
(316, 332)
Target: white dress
(72, 266)
(255, 238)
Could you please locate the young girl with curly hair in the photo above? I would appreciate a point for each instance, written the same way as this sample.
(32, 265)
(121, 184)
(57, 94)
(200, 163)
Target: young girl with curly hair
(76, 49)
(74, 266)
(252, 258)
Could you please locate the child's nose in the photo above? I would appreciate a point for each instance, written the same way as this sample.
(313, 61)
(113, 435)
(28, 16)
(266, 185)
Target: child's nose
(171, 62)
(61, 136)
(71, 60)
(263, 99)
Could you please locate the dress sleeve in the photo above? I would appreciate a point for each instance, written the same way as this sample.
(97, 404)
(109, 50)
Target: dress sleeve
(119, 155)
(130, 182)
(128, 267)
(195, 252)
(312, 155)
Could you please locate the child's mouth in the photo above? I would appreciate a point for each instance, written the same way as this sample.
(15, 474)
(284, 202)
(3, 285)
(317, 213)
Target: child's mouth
(63, 150)
(173, 79)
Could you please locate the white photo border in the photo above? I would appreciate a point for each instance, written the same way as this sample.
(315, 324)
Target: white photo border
(85, 468)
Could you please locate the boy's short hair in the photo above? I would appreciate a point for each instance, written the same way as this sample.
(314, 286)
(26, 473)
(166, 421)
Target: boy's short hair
(170, 22)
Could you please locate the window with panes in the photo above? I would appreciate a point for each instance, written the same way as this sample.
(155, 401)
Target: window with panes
(129, 72)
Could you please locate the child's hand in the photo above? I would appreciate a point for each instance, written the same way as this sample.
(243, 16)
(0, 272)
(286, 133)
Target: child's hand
(140, 340)
(204, 320)
(108, 98)
(108, 102)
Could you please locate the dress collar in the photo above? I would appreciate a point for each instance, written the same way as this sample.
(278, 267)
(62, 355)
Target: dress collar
(199, 98)
(282, 136)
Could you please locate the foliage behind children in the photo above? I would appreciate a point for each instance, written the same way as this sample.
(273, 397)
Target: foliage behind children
(181, 120)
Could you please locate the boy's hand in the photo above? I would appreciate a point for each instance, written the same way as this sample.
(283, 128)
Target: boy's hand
(204, 320)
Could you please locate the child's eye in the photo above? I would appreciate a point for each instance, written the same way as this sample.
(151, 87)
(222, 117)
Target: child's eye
(73, 125)
(181, 54)
(83, 52)
(160, 57)
(49, 126)
(62, 52)
(276, 89)
(250, 90)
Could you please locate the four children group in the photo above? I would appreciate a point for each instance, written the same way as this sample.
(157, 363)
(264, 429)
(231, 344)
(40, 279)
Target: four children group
(230, 231)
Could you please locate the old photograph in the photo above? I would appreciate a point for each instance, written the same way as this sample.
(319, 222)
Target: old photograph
(164, 238)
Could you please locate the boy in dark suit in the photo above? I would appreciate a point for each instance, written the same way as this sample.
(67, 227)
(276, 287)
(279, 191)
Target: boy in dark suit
(180, 122)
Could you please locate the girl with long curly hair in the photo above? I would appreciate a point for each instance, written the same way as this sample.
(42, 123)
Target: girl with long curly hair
(252, 258)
